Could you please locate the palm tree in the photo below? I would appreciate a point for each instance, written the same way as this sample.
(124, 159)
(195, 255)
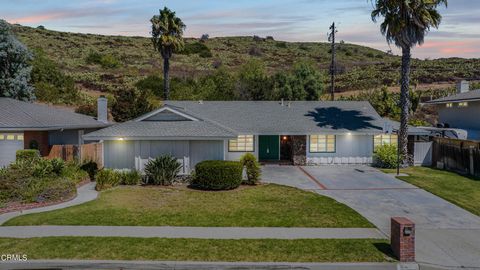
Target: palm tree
(406, 22)
(167, 32)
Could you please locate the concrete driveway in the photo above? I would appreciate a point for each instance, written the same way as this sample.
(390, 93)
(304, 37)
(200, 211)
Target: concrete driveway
(446, 234)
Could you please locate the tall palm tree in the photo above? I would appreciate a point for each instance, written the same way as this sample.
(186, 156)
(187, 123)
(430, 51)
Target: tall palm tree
(406, 22)
(167, 32)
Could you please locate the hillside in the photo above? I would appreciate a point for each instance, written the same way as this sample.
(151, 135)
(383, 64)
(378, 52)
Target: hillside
(132, 58)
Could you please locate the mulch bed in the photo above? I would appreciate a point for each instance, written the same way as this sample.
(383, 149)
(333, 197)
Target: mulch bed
(18, 206)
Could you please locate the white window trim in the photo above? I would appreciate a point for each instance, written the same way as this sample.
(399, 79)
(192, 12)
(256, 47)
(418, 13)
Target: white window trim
(326, 144)
(246, 151)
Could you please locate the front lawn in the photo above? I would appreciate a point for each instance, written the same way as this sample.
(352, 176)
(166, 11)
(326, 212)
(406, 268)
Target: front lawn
(259, 206)
(460, 190)
(111, 248)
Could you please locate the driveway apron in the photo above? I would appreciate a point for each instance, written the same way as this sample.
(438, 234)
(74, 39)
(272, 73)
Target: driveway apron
(446, 234)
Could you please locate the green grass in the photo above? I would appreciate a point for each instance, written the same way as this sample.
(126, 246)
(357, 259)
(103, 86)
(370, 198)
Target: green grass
(260, 206)
(111, 248)
(460, 190)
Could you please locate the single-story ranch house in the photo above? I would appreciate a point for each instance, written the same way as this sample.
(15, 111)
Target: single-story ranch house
(299, 132)
(25, 125)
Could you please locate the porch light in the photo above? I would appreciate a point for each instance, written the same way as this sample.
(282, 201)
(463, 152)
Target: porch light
(120, 139)
(284, 138)
(349, 133)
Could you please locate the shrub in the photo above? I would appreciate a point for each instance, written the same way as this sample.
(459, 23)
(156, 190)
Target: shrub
(197, 48)
(57, 165)
(282, 45)
(249, 161)
(255, 51)
(108, 178)
(87, 109)
(91, 167)
(218, 175)
(385, 156)
(162, 170)
(130, 177)
(105, 60)
(42, 168)
(73, 172)
(27, 154)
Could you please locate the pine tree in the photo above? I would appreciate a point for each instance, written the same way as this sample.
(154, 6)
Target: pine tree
(14, 66)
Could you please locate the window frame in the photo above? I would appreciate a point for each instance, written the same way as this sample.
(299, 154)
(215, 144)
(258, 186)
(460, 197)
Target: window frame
(246, 151)
(326, 144)
(375, 146)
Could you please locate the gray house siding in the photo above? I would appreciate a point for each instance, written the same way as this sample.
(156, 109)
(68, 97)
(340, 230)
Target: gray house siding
(348, 149)
(460, 117)
(205, 150)
(121, 154)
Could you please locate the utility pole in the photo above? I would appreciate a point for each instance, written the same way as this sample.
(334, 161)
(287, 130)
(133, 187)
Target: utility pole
(333, 65)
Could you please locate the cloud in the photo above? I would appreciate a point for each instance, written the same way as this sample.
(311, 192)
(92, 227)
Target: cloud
(53, 15)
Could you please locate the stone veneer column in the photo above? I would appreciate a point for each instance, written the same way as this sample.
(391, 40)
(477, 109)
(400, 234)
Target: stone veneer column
(299, 150)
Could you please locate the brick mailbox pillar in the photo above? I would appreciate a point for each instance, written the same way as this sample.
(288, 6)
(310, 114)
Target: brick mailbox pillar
(402, 239)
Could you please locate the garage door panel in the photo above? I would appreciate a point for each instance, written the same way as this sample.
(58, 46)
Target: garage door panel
(9, 144)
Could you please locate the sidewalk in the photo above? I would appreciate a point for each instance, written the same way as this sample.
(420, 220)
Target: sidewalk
(192, 232)
(85, 194)
(170, 265)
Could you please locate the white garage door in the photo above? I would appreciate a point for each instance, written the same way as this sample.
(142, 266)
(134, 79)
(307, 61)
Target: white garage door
(9, 144)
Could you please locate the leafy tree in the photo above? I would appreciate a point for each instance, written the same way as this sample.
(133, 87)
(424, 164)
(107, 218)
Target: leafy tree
(307, 82)
(129, 104)
(14, 66)
(253, 83)
(303, 83)
(222, 85)
(152, 84)
(406, 22)
(167, 32)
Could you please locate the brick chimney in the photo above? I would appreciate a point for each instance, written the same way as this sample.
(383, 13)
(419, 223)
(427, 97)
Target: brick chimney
(102, 109)
(463, 86)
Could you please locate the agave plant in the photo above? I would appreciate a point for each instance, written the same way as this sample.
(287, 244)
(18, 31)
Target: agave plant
(162, 170)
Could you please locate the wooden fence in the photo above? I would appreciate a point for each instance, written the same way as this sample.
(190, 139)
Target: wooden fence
(84, 152)
(457, 155)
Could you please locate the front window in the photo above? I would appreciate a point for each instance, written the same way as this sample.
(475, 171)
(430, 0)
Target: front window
(322, 143)
(243, 143)
(449, 105)
(384, 139)
(463, 104)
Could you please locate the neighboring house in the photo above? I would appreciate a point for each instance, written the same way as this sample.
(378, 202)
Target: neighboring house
(300, 132)
(25, 125)
(460, 111)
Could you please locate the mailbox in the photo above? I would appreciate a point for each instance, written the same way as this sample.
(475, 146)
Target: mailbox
(403, 239)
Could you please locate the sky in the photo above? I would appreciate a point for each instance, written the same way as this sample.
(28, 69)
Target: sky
(289, 20)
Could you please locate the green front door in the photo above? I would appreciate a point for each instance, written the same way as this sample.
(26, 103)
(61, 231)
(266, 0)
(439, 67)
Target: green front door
(269, 147)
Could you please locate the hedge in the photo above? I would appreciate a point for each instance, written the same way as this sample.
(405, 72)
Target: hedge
(27, 154)
(217, 175)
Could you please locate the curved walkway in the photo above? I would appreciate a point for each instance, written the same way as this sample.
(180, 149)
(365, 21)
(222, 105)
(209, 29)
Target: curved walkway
(85, 194)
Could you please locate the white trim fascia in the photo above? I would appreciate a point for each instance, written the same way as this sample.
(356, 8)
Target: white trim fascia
(150, 114)
(125, 138)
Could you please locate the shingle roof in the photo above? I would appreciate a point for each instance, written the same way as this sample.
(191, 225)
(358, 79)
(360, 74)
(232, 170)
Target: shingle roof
(19, 115)
(155, 130)
(467, 96)
(301, 117)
